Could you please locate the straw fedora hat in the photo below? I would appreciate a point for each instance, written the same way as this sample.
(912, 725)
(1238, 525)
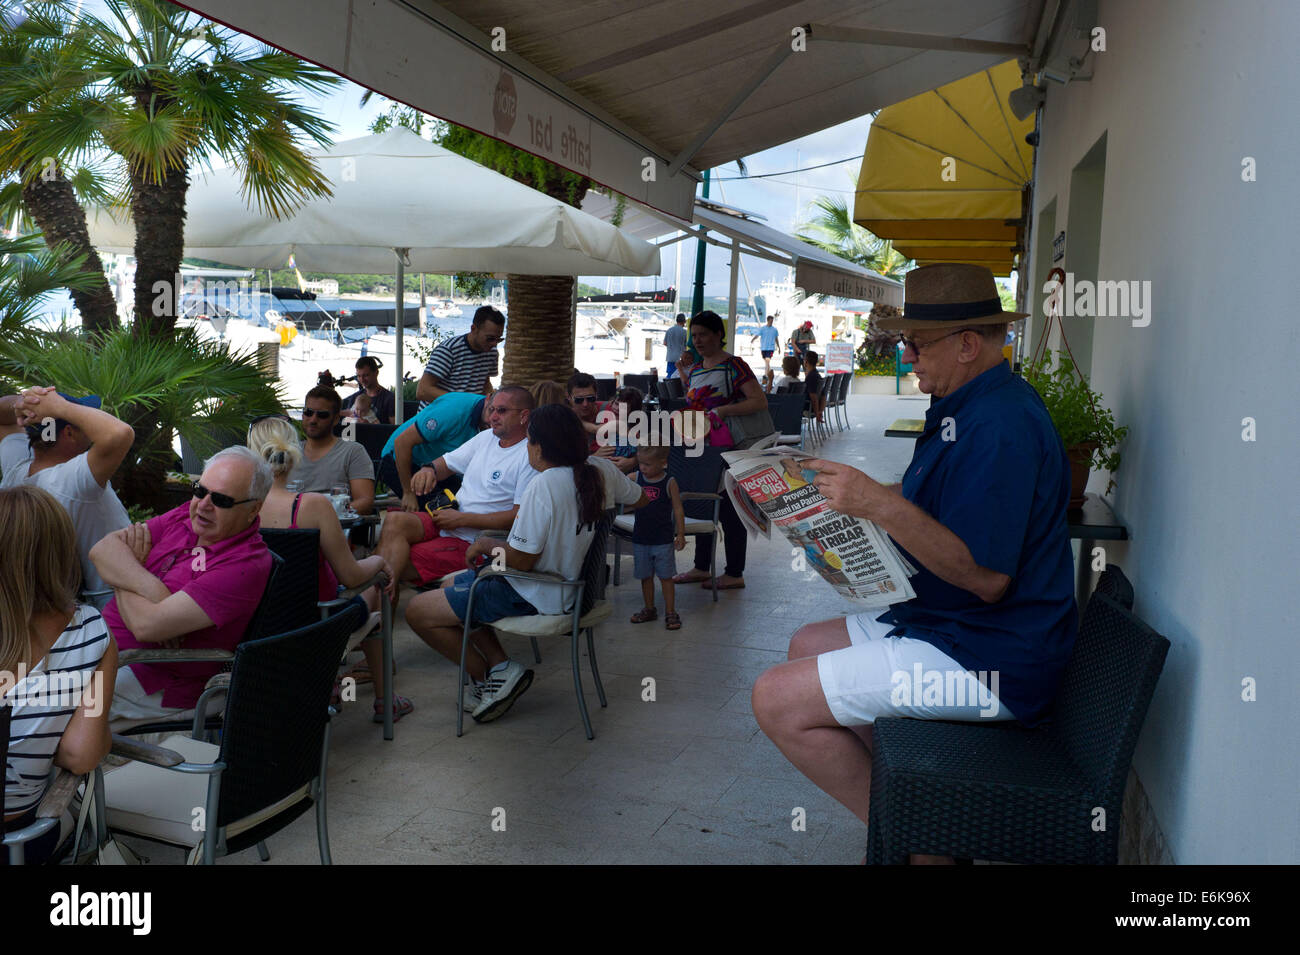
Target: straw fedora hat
(949, 295)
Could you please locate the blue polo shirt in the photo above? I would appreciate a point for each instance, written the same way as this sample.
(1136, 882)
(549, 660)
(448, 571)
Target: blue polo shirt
(767, 338)
(445, 423)
(1000, 482)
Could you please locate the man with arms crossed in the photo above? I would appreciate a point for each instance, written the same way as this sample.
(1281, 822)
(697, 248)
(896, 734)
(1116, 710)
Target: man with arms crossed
(981, 514)
(190, 578)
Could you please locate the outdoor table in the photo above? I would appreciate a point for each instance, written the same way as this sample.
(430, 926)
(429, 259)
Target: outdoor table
(1093, 522)
(906, 428)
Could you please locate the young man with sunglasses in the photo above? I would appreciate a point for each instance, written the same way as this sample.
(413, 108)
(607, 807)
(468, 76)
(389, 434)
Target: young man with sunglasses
(466, 362)
(190, 578)
(327, 459)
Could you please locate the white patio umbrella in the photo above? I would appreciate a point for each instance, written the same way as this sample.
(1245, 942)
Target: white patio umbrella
(398, 199)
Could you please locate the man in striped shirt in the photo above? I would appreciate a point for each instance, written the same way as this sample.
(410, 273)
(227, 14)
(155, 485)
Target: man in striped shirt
(466, 362)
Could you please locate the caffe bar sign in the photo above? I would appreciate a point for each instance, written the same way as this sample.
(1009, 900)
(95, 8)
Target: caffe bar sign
(816, 279)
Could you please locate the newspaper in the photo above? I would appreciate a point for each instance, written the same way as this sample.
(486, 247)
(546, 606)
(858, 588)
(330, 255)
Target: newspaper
(853, 555)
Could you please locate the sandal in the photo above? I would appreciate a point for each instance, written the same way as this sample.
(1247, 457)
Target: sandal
(645, 615)
(672, 621)
(689, 577)
(714, 585)
(360, 672)
(401, 706)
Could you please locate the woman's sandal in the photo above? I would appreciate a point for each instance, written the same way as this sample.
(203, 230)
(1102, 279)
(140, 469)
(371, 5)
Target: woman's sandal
(401, 706)
(714, 585)
(672, 621)
(689, 577)
(645, 615)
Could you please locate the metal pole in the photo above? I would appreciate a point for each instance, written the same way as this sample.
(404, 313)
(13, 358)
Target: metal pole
(731, 296)
(697, 293)
(401, 323)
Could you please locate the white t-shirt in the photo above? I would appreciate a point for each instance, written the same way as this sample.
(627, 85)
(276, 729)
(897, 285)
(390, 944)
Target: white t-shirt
(95, 511)
(495, 477)
(14, 451)
(547, 525)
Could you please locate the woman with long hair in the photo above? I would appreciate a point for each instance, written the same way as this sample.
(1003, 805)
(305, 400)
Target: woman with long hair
(556, 523)
(721, 385)
(58, 663)
(276, 440)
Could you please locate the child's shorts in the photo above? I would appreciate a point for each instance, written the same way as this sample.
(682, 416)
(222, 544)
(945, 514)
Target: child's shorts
(653, 560)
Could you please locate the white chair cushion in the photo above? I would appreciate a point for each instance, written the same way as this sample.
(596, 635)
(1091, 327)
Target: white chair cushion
(159, 803)
(552, 625)
(789, 439)
(624, 523)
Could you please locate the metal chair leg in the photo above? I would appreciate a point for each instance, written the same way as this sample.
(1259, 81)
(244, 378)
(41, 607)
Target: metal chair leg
(386, 611)
(537, 651)
(713, 563)
(595, 673)
(617, 562)
(577, 680)
(264, 853)
(322, 824)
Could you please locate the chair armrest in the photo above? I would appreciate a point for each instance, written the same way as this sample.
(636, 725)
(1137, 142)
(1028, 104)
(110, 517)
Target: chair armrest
(218, 680)
(496, 534)
(145, 752)
(165, 655)
(542, 577)
(347, 593)
(699, 496)
(58, 796)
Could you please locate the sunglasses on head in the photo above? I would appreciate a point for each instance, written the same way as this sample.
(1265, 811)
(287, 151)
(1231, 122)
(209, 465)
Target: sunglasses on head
(309, 413)
(267, 417)
(223, 501)
(584, 399)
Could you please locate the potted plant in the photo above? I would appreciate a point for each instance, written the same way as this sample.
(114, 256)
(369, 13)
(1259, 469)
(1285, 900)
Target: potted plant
(1087, 428)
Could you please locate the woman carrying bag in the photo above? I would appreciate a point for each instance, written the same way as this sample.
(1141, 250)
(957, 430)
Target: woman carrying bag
(722, 386)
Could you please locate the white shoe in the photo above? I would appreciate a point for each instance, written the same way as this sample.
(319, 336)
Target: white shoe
(473, 696)
(502, 688)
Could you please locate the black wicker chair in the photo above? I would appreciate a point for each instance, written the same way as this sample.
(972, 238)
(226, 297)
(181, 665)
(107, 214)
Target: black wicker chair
(1003, 793)
(300, 550)
(270, 766)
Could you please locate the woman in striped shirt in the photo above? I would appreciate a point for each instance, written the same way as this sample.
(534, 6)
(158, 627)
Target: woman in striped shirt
(57, 661)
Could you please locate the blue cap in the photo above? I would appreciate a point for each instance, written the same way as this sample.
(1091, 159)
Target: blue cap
(90, 401)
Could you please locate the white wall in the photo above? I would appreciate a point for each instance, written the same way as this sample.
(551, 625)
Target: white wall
(1185, 91)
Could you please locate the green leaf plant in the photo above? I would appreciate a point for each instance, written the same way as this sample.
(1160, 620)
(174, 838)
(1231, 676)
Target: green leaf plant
(1076, 410)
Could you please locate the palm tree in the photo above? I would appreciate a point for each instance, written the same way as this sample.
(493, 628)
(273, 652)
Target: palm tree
(32, 67)
(543, 302)
(29, 272)
(833, 230)
(164, 89)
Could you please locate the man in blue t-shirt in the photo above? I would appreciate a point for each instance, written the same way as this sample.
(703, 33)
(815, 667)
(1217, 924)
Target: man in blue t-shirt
(442, 425)
(981, 513)
(767, 347)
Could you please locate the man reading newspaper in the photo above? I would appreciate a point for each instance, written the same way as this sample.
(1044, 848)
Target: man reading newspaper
(981, 514)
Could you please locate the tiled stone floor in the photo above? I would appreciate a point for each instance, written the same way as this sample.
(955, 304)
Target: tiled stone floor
(688, 778)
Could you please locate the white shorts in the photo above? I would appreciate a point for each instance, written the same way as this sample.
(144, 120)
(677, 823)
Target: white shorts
(132, 705)
(902, 676)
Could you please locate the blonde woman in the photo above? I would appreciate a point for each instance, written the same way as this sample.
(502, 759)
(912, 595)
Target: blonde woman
(58, 663)
(276, 440)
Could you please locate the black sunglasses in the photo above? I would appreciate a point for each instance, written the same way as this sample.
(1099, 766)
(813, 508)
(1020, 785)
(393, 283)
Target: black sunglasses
(309, 413)
(917, 346)
(584, 399)
(223, 501)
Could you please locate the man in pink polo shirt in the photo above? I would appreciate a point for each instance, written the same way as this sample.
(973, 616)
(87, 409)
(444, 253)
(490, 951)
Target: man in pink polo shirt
(189, 578)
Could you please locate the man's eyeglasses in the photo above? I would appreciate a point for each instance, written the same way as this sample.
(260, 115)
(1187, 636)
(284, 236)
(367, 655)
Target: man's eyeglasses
(583, 399)
(309, 413)
(223, 501)
(502, 409)
(917, 346)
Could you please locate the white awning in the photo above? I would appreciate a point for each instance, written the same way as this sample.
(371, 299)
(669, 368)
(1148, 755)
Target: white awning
(622, 89)
(816, 272)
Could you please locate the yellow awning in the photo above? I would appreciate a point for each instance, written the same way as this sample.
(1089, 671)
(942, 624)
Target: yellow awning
(944, 173)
